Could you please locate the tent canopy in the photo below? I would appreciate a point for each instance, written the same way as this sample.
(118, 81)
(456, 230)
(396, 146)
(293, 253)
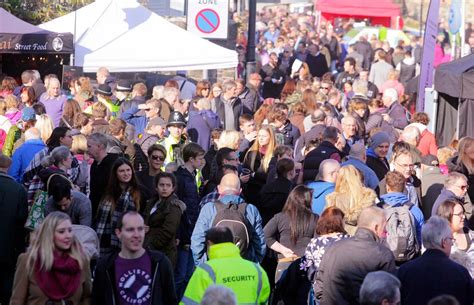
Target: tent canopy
(454, 82)
(456, 78)
(380, 12)
(124, 36)
(18, 36)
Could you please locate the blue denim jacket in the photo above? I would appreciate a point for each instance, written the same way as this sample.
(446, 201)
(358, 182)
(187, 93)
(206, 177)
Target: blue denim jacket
(256, 250)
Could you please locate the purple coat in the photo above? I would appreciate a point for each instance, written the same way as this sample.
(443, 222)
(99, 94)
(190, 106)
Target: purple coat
(54, 107)
(200, 125)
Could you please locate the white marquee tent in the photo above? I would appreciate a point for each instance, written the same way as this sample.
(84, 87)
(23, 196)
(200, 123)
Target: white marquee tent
(124, 36)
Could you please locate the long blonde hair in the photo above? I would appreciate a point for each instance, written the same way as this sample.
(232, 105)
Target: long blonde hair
(349, 183)
(270, 149)
(45, 126)
(42, 245)
(463, 158)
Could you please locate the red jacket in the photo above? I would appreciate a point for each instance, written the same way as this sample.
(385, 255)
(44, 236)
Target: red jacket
(427, 144)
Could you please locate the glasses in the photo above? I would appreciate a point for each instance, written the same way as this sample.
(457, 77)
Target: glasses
(452, 239)
(460, 215)
(205, 88)
(463, 187)
(147, 109)
(160, 158)
(406, 165)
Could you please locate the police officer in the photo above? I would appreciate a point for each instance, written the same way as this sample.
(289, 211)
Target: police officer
(226, 267)
(176, 138)
(104, 96)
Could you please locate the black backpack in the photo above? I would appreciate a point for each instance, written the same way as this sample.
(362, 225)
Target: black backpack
(232, 215)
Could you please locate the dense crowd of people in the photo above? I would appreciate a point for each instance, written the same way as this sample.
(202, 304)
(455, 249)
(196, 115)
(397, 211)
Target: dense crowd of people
(313, 182)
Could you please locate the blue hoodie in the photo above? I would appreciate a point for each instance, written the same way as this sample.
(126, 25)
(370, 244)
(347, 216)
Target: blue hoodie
(22, 157)
(320, 190)
(397, 200)
(257, 246)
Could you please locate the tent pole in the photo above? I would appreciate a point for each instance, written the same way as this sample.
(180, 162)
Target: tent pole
(463, 29)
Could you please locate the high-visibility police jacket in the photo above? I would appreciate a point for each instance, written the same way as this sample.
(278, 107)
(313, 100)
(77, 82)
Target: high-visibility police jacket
(111, 108)
(225, 267)
(169, 144)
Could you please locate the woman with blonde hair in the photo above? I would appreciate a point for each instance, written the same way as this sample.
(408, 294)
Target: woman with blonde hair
(79, 150)
(55, 269)
(350, 196)
(230, 139)
(464, 162)
(13, 113)
(45, 126)
(257, 160)
(392, 82)
(5, 123)
(216, 90)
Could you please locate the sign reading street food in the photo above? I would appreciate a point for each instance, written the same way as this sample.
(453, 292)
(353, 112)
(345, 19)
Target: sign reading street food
(208, 18)
(36, 43)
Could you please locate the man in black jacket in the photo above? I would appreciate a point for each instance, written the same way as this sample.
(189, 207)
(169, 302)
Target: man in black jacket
(316, 62)
(325, 150)
(434, 274)
(346, 263)
(100, 168)
(134, 275)
(13, 211)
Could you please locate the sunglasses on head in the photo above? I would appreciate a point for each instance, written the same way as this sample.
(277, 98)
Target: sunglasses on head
(160, 158)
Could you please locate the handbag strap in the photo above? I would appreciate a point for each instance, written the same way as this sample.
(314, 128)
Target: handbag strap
(60, 175)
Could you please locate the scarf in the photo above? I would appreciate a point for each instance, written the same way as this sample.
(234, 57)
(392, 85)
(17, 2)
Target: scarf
(124, 204)
(63, 280)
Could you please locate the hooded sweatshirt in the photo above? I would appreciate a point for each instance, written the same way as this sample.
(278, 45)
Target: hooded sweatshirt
(320, 190)
(398, 200)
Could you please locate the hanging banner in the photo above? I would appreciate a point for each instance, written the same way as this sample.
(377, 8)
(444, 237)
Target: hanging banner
(455, 16)
(427, 60)
(36, 43)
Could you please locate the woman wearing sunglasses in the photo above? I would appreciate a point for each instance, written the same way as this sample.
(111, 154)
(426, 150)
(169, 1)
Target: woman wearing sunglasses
(156, 158)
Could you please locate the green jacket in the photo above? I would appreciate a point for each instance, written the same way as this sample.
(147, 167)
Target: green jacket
(12, 136)
(225, 267)
(163, 225)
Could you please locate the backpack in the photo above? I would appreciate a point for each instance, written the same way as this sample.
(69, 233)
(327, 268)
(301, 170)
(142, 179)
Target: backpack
(401, 231)
(233, 216)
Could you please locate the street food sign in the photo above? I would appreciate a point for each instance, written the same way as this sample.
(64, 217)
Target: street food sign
(208, 18)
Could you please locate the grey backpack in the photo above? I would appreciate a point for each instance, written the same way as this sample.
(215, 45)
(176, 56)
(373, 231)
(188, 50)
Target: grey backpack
(401, 231)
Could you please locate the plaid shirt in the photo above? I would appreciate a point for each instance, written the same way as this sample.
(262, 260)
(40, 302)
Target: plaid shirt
(211, 197)
(107, 221)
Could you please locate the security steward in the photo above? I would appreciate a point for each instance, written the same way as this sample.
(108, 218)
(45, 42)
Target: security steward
(176, 138)
(226, 267)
